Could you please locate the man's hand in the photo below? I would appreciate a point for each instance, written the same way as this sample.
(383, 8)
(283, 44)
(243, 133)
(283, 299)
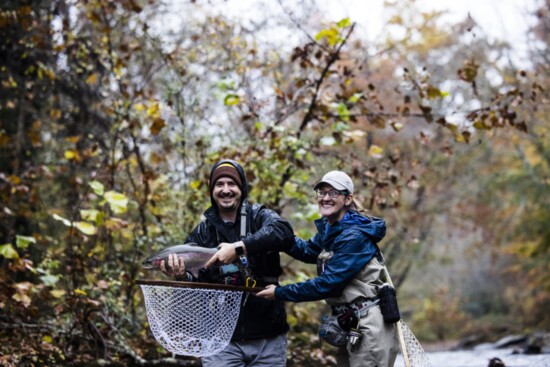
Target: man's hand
(267, 293)
(175, 266)
(226, 253)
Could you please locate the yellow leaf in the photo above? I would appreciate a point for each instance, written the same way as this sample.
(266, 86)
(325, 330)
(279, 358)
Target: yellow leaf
(92, 79)
(396, 126)
(154, 110)
(89, 214)
(330, 34)
(139, 107)
(47, 339)
(375, 151)
(459, 138)
(125, 233)
(194, 185)
(117, 201)
(73, 139)
(8, 251)
(55, 113)
(50, 74)
(231, 100)
(80, 292)
(434, 92)
(354, 135)
(57, 293)
(22, 298)
(86, 228)
(72, 154)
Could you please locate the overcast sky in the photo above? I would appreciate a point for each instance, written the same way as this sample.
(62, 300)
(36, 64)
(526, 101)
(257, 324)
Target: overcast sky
(503, 19)
(500, 18)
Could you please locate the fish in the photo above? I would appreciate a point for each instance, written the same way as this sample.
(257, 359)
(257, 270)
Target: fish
(194, 257)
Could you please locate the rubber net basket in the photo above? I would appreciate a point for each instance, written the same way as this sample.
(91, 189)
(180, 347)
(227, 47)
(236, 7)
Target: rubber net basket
(192, 321)
(413, 353)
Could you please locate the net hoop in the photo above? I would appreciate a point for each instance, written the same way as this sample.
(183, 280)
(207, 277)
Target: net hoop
(193, 319)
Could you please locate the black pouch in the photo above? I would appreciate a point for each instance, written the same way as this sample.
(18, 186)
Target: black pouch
(388, 304)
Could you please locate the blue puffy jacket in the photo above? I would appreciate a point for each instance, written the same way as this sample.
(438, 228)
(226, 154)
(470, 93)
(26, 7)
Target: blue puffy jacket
(353, 240)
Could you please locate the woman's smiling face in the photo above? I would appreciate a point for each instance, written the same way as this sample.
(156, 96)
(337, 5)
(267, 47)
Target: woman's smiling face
(333, 208)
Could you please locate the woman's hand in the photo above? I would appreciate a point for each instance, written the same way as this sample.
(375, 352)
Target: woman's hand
(267, 293)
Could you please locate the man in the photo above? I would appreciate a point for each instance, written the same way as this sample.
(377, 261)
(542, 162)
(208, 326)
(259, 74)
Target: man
(236, 228)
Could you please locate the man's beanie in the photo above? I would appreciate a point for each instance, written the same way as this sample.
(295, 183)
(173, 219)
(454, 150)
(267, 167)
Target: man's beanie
(226, 170)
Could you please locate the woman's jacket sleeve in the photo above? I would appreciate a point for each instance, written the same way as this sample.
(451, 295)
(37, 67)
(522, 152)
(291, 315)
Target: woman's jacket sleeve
(351, 254)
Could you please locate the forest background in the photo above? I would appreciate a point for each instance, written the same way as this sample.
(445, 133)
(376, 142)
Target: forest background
(110, 122)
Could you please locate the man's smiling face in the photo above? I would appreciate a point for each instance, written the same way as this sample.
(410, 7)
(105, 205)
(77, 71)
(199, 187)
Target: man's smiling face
(227, 194)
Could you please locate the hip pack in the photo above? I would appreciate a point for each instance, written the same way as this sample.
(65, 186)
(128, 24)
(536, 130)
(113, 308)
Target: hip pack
(388, 304)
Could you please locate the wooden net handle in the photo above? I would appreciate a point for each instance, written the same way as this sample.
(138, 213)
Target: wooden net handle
(178, 284)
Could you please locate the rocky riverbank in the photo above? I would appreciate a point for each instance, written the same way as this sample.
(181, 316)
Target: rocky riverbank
(521, 350)
(533, 343)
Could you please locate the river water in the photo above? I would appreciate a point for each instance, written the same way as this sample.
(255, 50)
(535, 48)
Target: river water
(480, 358)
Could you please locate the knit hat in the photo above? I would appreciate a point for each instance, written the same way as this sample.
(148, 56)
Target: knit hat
(225, 170)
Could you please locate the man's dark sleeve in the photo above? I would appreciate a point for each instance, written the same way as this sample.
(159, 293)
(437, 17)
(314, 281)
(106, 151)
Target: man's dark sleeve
(274, 233)
(199, 235)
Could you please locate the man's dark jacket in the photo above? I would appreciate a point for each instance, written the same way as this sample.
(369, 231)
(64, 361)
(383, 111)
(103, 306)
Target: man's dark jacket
(267, 234)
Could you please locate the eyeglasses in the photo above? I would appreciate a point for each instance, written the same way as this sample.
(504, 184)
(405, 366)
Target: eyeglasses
(331, 193)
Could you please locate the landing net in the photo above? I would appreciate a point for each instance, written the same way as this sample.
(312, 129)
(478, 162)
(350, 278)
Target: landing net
(413, 353)
(191, 321)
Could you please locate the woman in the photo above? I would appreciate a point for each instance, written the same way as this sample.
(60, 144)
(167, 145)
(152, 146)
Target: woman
(350, 272)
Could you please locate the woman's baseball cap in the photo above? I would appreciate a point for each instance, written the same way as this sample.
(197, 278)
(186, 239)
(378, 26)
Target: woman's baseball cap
(337, 179)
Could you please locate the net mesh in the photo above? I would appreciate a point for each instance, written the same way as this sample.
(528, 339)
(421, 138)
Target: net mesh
(413, 353)
(192, 321)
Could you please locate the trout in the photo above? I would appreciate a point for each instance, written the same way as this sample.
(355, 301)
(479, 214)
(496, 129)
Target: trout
(194, 257)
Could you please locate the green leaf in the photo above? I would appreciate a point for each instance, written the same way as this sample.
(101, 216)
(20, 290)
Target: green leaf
(117, 201)
(343, 111)
(90, 215)
(49, 280)
(355, 97)
(23, 241)
(340, 126)
(344, 23)
(8, 251)
(98, 187)
(231, 100)
(86, 228)
(226, 85)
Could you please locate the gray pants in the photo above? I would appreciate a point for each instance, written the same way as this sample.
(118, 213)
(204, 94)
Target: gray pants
(269, 352)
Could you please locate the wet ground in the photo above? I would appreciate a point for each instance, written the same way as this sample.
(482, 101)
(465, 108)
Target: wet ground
(476, 358)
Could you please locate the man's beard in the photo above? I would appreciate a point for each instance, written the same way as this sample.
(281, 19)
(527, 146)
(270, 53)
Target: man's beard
(228, 207)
